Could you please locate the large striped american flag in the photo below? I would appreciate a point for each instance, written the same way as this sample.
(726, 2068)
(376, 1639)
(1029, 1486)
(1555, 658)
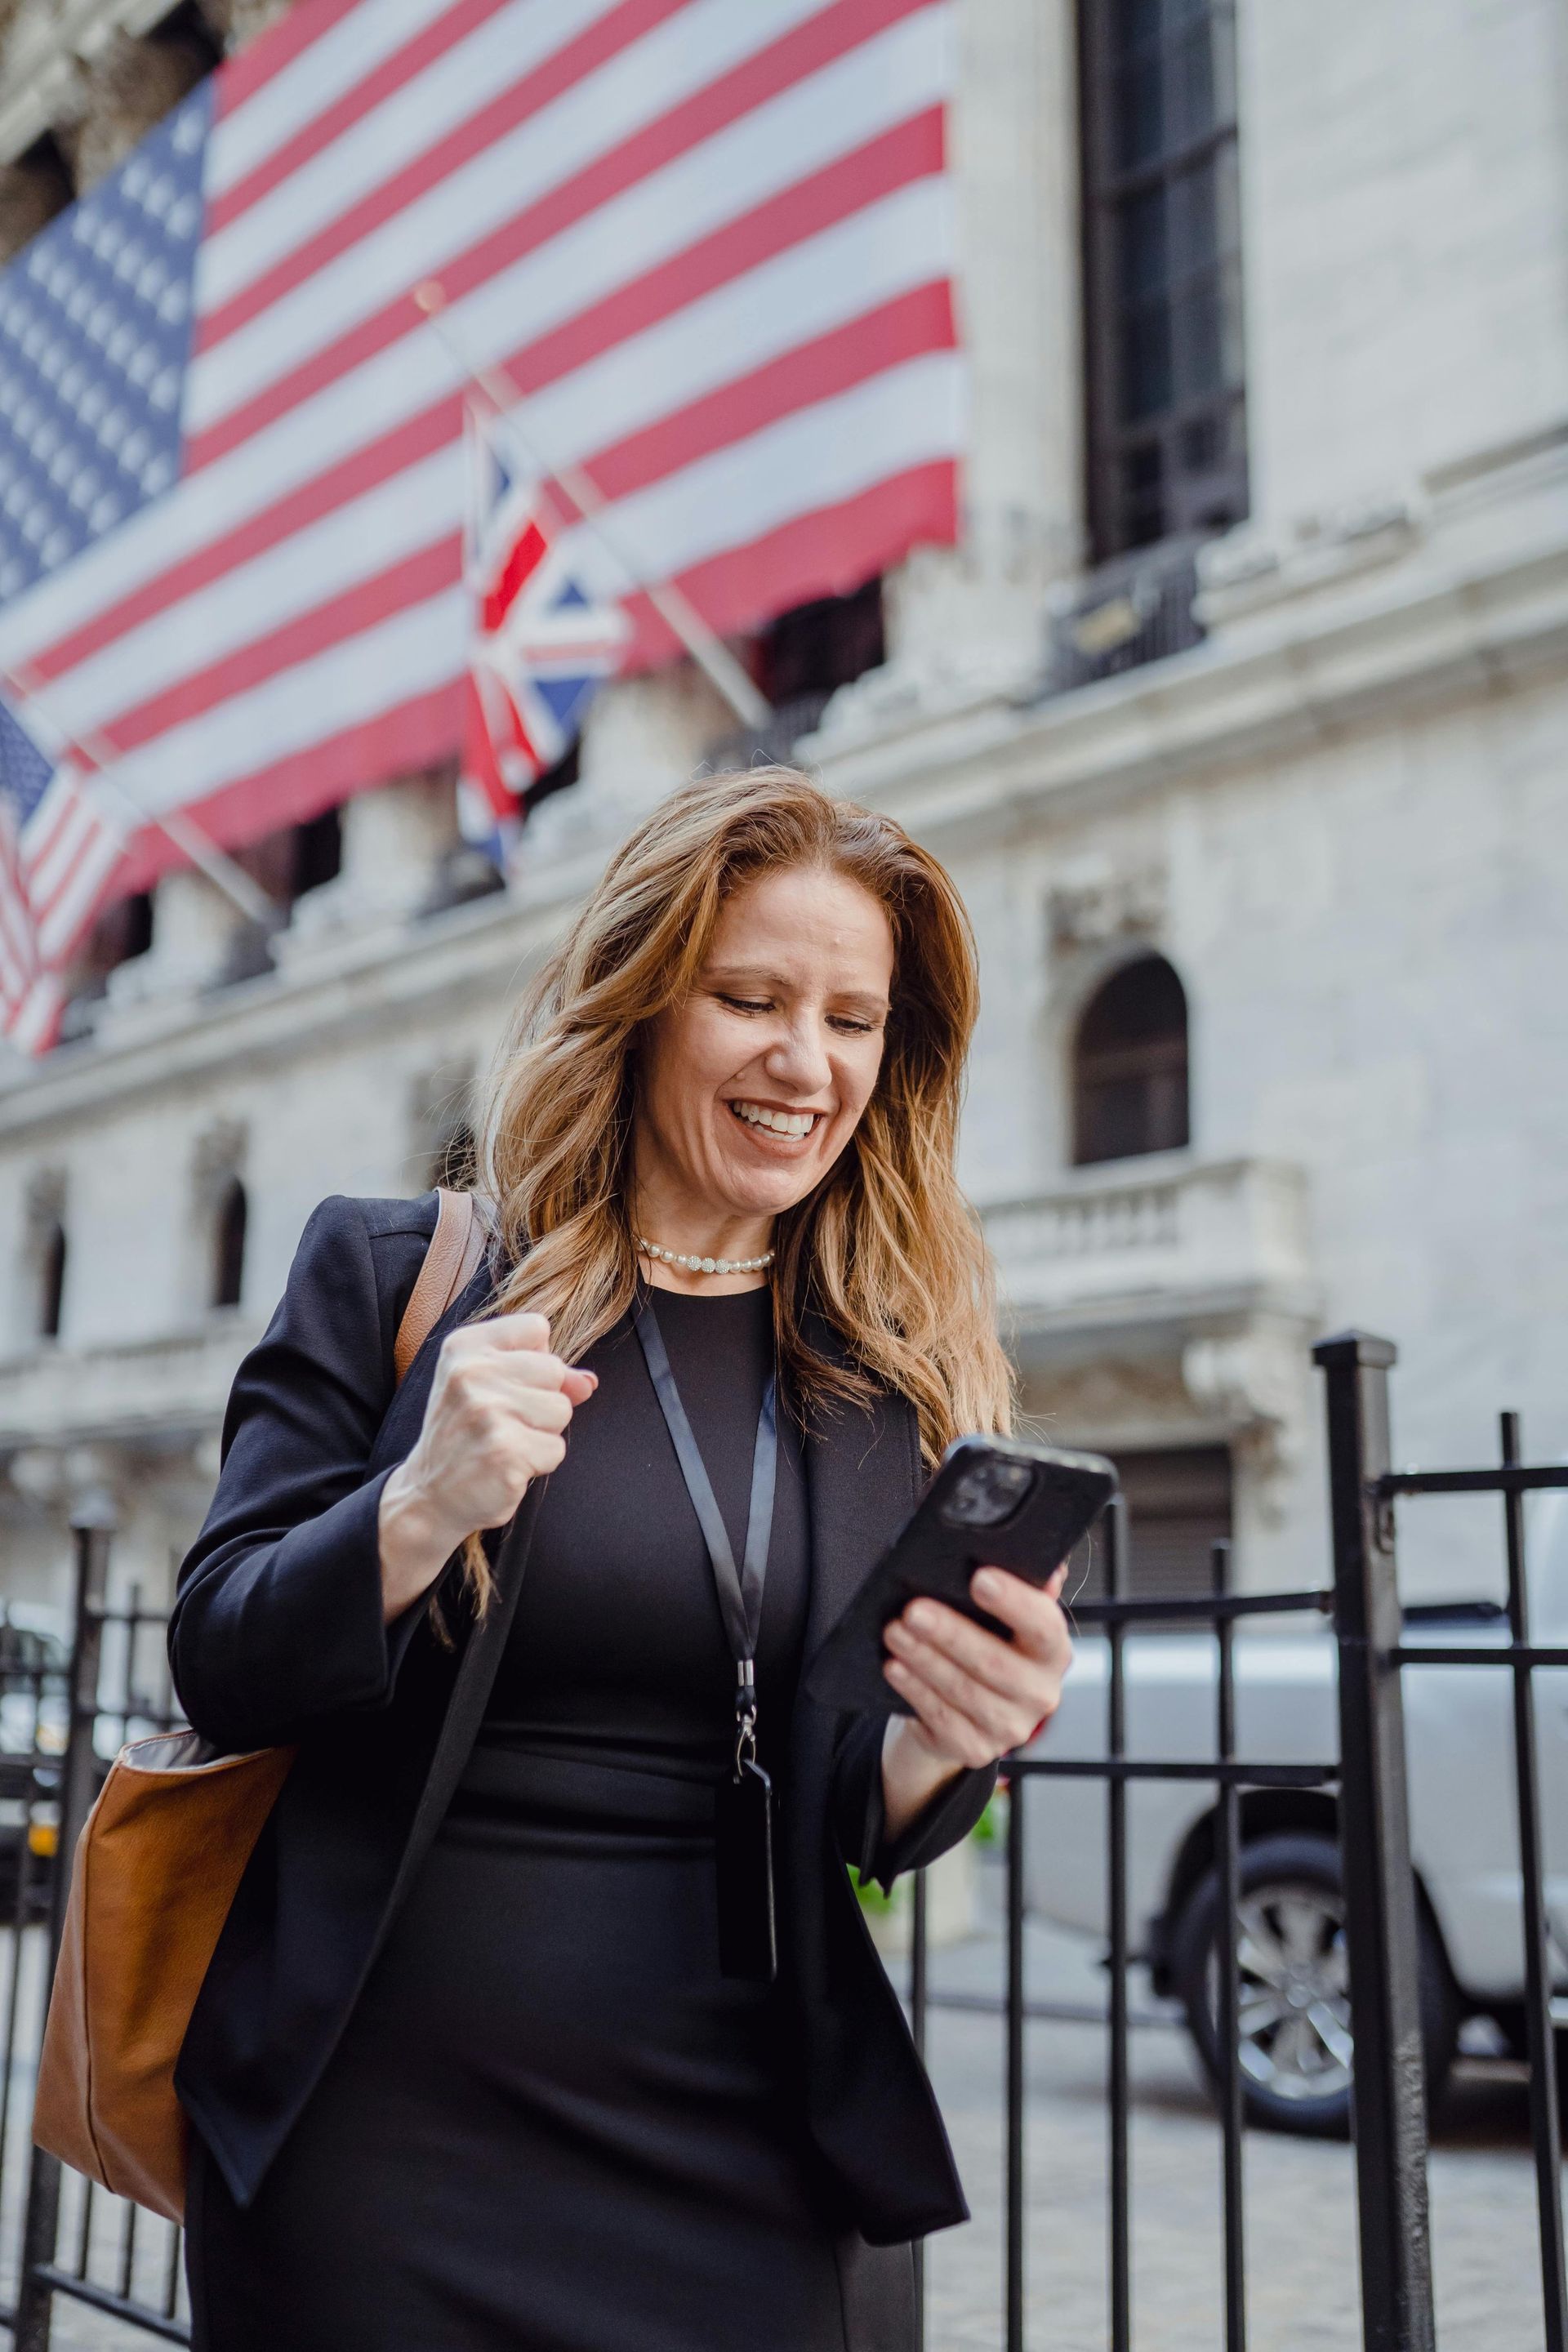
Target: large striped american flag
(710, 241)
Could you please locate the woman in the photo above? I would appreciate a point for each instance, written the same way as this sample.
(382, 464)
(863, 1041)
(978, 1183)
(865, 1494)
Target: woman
(467, 2071)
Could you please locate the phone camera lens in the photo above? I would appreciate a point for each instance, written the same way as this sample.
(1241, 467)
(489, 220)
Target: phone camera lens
(987, 1493)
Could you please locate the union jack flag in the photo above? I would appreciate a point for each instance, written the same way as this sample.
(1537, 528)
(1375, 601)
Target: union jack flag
(58, 850)
(541, 644)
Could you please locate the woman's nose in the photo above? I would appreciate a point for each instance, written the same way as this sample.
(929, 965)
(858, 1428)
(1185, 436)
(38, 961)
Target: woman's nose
(798, 1059)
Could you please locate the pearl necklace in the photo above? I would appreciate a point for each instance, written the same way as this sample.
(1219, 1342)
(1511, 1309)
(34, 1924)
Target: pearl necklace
(704, 1265)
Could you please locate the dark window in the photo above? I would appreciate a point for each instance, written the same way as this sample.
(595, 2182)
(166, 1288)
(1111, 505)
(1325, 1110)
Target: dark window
(318, 852)
(228, 1244)
(122, 932)
(39, 185)
(287, 864)
(296, 858)
(1178, 1507)
(187, 32)
(1129, 1066)
(815, 648)
(52, 1282)
(800, 661)
(135, 925)
(566, 771)
(1167, 447)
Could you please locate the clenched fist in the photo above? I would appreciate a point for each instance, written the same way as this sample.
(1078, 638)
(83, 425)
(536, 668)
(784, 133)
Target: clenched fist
(496, 1419)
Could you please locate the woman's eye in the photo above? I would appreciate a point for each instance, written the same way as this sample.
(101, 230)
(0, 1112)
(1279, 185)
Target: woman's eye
(746, 1004)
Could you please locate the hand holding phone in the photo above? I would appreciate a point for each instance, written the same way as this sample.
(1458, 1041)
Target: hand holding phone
(974, 1697)
(994, 1503)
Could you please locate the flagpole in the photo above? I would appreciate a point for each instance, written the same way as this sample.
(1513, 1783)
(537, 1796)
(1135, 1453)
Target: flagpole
(188, 838)
(707, 649)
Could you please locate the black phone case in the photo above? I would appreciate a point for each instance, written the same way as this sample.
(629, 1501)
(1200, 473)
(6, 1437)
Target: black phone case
(932, 1555)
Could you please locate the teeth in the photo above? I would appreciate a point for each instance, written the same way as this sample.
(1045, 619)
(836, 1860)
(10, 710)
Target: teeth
(781, 1122)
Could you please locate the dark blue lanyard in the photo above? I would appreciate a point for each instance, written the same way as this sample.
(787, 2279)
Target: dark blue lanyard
(740, 1592)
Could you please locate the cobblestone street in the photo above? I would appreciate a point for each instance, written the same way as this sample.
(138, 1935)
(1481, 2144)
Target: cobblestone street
(1300, 2214)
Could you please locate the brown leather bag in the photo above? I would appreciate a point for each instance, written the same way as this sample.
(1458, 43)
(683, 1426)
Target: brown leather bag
(156, 1868)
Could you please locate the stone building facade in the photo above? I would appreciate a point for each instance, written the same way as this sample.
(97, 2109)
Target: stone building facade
(1252, 771)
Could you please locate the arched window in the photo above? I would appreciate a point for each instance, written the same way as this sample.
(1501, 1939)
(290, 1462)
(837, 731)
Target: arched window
(51, 1281)
(228, 1244)
(1129, 1066)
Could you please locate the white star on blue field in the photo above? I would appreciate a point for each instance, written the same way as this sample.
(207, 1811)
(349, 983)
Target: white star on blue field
(95, 333)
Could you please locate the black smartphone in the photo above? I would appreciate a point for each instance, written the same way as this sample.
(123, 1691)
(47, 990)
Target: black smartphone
(996, 1500)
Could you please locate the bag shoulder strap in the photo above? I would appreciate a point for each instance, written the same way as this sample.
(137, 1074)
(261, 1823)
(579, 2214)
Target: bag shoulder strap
(451, 1264)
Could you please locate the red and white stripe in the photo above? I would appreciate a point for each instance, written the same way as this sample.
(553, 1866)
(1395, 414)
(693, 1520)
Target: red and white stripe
(52, 881)
(711, 240)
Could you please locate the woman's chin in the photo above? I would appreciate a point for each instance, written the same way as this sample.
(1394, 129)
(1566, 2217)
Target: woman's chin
(768, 1193)
(762, 1180)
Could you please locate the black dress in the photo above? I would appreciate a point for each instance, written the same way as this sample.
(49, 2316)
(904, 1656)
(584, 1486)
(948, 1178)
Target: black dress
(552, 2125)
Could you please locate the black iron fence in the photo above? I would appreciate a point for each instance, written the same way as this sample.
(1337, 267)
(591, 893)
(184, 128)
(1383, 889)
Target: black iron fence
(1388, 2107)
(62, 1718)
(1118, 1614)
(60, 2234)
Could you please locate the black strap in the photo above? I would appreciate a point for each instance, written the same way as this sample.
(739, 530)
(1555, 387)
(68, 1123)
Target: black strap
(739, 1594)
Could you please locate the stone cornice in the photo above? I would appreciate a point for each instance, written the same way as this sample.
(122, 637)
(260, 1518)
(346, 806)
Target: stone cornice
(360, 986)
(165, 1389)
(1471, 597)
(1478, 602)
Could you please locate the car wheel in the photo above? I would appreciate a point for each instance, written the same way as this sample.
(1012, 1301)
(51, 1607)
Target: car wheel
(1296, 2045)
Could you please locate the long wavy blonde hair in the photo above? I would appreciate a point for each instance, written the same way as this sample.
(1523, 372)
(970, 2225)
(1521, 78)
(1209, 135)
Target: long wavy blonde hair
(886, 1250)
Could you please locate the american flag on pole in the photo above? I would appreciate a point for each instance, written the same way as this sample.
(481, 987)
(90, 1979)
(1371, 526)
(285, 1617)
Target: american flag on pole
(710, 241)
(58, 851)
(541, 644)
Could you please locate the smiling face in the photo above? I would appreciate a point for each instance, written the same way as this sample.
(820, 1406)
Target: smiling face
(755, 1084)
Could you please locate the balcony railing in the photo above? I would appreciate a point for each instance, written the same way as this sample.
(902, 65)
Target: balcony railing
(1138, 609)
(1151, 1240)
(125, 1388)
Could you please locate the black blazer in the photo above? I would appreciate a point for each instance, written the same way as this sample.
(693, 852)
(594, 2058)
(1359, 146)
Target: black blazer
(277, 1636)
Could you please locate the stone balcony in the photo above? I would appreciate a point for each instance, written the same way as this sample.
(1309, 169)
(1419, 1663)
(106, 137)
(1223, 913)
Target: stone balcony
(1165, 1301)
(1166, 1249)
(1205, 1263)
(157, 1393)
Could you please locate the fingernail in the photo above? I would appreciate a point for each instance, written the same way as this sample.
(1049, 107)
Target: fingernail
(923, 1619)
(591, 1378)
(987, 1580)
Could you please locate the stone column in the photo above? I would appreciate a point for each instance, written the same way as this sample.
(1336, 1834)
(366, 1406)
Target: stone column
(643, 737)
(198, 934)
(396, 839)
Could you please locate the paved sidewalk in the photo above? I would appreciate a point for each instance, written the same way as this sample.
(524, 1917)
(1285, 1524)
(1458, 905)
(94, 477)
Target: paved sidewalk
(1300, 2217)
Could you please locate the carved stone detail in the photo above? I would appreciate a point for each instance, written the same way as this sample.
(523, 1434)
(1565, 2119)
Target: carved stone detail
(1248, 1379)
(129, 86)
(1100, 909)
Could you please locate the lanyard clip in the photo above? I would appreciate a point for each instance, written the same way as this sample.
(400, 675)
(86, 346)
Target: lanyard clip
(745, 1713)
